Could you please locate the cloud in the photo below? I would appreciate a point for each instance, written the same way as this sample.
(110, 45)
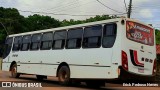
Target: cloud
(146, 13)
(81, 7)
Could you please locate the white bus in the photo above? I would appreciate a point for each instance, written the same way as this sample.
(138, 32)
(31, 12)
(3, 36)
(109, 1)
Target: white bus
(98, 51)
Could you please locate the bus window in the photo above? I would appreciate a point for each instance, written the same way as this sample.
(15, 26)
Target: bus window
(8, 46)
(92, 36)
(139, 33)
(35, 42)
(46, 42)
(26, 42)
(17, 43)
(109, 35)
(59, 39)
(74, 38)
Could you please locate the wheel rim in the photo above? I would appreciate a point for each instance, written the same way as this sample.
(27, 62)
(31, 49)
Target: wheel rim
(63, 76)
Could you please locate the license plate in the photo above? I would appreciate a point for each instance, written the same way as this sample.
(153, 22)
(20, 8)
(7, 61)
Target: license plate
(141, 70)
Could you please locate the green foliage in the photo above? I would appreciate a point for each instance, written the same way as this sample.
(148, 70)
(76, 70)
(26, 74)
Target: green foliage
(10, 18)
(38, 22)
(15, 23)
(11, 22)
(157, 33)
(91, 19)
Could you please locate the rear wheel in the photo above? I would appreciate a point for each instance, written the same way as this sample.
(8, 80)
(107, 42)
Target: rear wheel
(14, 73)
(64, 75)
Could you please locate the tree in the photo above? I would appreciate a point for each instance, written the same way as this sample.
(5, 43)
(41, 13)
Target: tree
(157, 35)
(91, 19)
(38, 22)
(11, 19)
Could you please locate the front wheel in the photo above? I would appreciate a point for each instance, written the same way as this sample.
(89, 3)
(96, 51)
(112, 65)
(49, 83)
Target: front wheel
(14, 73)
(64, 75)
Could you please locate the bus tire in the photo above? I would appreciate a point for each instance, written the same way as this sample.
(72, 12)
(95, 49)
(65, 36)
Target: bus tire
(14, 73)
(64, 75)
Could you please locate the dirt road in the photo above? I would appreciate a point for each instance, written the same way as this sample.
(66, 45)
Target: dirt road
(51, 83)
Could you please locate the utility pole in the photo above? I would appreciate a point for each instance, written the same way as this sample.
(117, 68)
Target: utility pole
(129, 9)
(4, 27)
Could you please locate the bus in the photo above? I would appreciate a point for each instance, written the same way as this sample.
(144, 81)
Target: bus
(94, 52)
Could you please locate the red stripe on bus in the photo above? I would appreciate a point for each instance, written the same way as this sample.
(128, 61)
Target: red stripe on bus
(136, 59)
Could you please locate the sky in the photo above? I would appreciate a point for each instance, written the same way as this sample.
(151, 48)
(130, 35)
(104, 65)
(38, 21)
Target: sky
(146, 11)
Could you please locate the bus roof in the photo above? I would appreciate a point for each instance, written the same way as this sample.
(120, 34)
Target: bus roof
(77, 26)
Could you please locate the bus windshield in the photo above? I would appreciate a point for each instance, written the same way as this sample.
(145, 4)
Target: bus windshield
(8, 46)
(139, 33)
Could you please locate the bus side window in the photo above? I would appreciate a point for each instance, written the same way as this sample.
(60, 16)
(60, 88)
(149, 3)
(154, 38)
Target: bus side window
(17, 43)
(109, 35)
(35, 42)
(26, 42)
(59, 39)
(92, 37)
(46, 42)
(74, 38)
